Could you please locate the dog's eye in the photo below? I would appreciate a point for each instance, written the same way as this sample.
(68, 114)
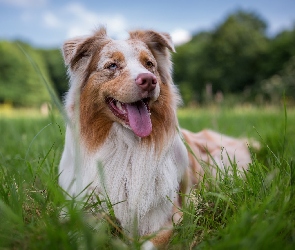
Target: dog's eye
(112, 66)
(149, 64)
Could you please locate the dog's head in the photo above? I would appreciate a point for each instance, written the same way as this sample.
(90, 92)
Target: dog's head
(127, 81)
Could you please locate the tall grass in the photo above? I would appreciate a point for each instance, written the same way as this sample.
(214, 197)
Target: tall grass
(254, 212)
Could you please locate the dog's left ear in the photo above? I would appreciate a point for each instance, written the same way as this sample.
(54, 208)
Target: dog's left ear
(80, 49)
(155, 40)
(160, 44)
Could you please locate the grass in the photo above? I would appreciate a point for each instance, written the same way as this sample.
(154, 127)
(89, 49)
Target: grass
(257, 212)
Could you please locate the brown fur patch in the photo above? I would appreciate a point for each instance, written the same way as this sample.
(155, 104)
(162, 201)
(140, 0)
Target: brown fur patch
(164, 119)
(162, 238)
(94, 116)
(117, 57)
(144, 58)
(114, 88)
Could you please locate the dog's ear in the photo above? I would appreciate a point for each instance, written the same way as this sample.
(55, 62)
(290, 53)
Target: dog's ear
(70, 48)
(155, 40)
(160, 44)
(77, 54)
(79, 48)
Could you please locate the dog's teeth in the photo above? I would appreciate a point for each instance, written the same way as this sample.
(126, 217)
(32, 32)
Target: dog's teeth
(119, 105)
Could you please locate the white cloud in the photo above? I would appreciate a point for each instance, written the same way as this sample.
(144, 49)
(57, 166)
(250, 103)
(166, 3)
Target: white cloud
(79, 12)
(76, 31)
(83, 21)
(75, 19)
(180, 36)
(24, 3)
(50, 20)
(280, 24)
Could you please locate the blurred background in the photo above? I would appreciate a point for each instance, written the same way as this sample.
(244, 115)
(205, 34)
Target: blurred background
(227, 52)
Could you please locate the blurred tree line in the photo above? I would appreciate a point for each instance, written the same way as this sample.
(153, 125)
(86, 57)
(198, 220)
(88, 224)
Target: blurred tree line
(235, 61)
(20, 84)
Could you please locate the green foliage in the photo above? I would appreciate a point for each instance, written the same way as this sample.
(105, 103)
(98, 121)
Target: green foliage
(279, 51)
(55, 65)
(236, 57)
(20, 85)
(187, 62)
(231, 212)
(233, 51)
(281, 84)
(254, 212)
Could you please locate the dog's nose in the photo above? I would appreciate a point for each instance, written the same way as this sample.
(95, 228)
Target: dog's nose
(146, 81)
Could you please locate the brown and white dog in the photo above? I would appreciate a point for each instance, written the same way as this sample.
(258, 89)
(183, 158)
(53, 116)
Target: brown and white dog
(122, 110)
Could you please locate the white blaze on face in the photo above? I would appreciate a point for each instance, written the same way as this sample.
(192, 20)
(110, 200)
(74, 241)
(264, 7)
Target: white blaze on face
(131, 53)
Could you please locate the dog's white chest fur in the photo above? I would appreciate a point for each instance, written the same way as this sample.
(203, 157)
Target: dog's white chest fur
(140, 182)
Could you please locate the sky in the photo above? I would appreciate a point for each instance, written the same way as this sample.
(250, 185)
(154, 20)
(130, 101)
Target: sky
(48, 23)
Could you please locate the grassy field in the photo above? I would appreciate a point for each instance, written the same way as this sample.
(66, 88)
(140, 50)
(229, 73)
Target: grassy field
(257, 212)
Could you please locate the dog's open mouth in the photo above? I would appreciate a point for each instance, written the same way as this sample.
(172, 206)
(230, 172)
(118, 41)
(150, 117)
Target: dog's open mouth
(135, 114)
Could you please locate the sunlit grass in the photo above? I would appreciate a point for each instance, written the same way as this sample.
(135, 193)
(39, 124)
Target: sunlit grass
(8, 112)
(256, 212)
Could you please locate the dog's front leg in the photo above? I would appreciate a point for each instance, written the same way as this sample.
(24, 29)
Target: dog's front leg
(160, 240)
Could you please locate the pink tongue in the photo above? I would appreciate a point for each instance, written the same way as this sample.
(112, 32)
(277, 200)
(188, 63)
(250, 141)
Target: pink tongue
(139, 118)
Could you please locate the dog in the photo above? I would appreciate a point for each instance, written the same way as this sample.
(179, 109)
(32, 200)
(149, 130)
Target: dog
(123, 139)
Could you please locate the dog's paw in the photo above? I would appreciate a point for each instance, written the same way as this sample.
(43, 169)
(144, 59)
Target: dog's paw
(148, 245)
